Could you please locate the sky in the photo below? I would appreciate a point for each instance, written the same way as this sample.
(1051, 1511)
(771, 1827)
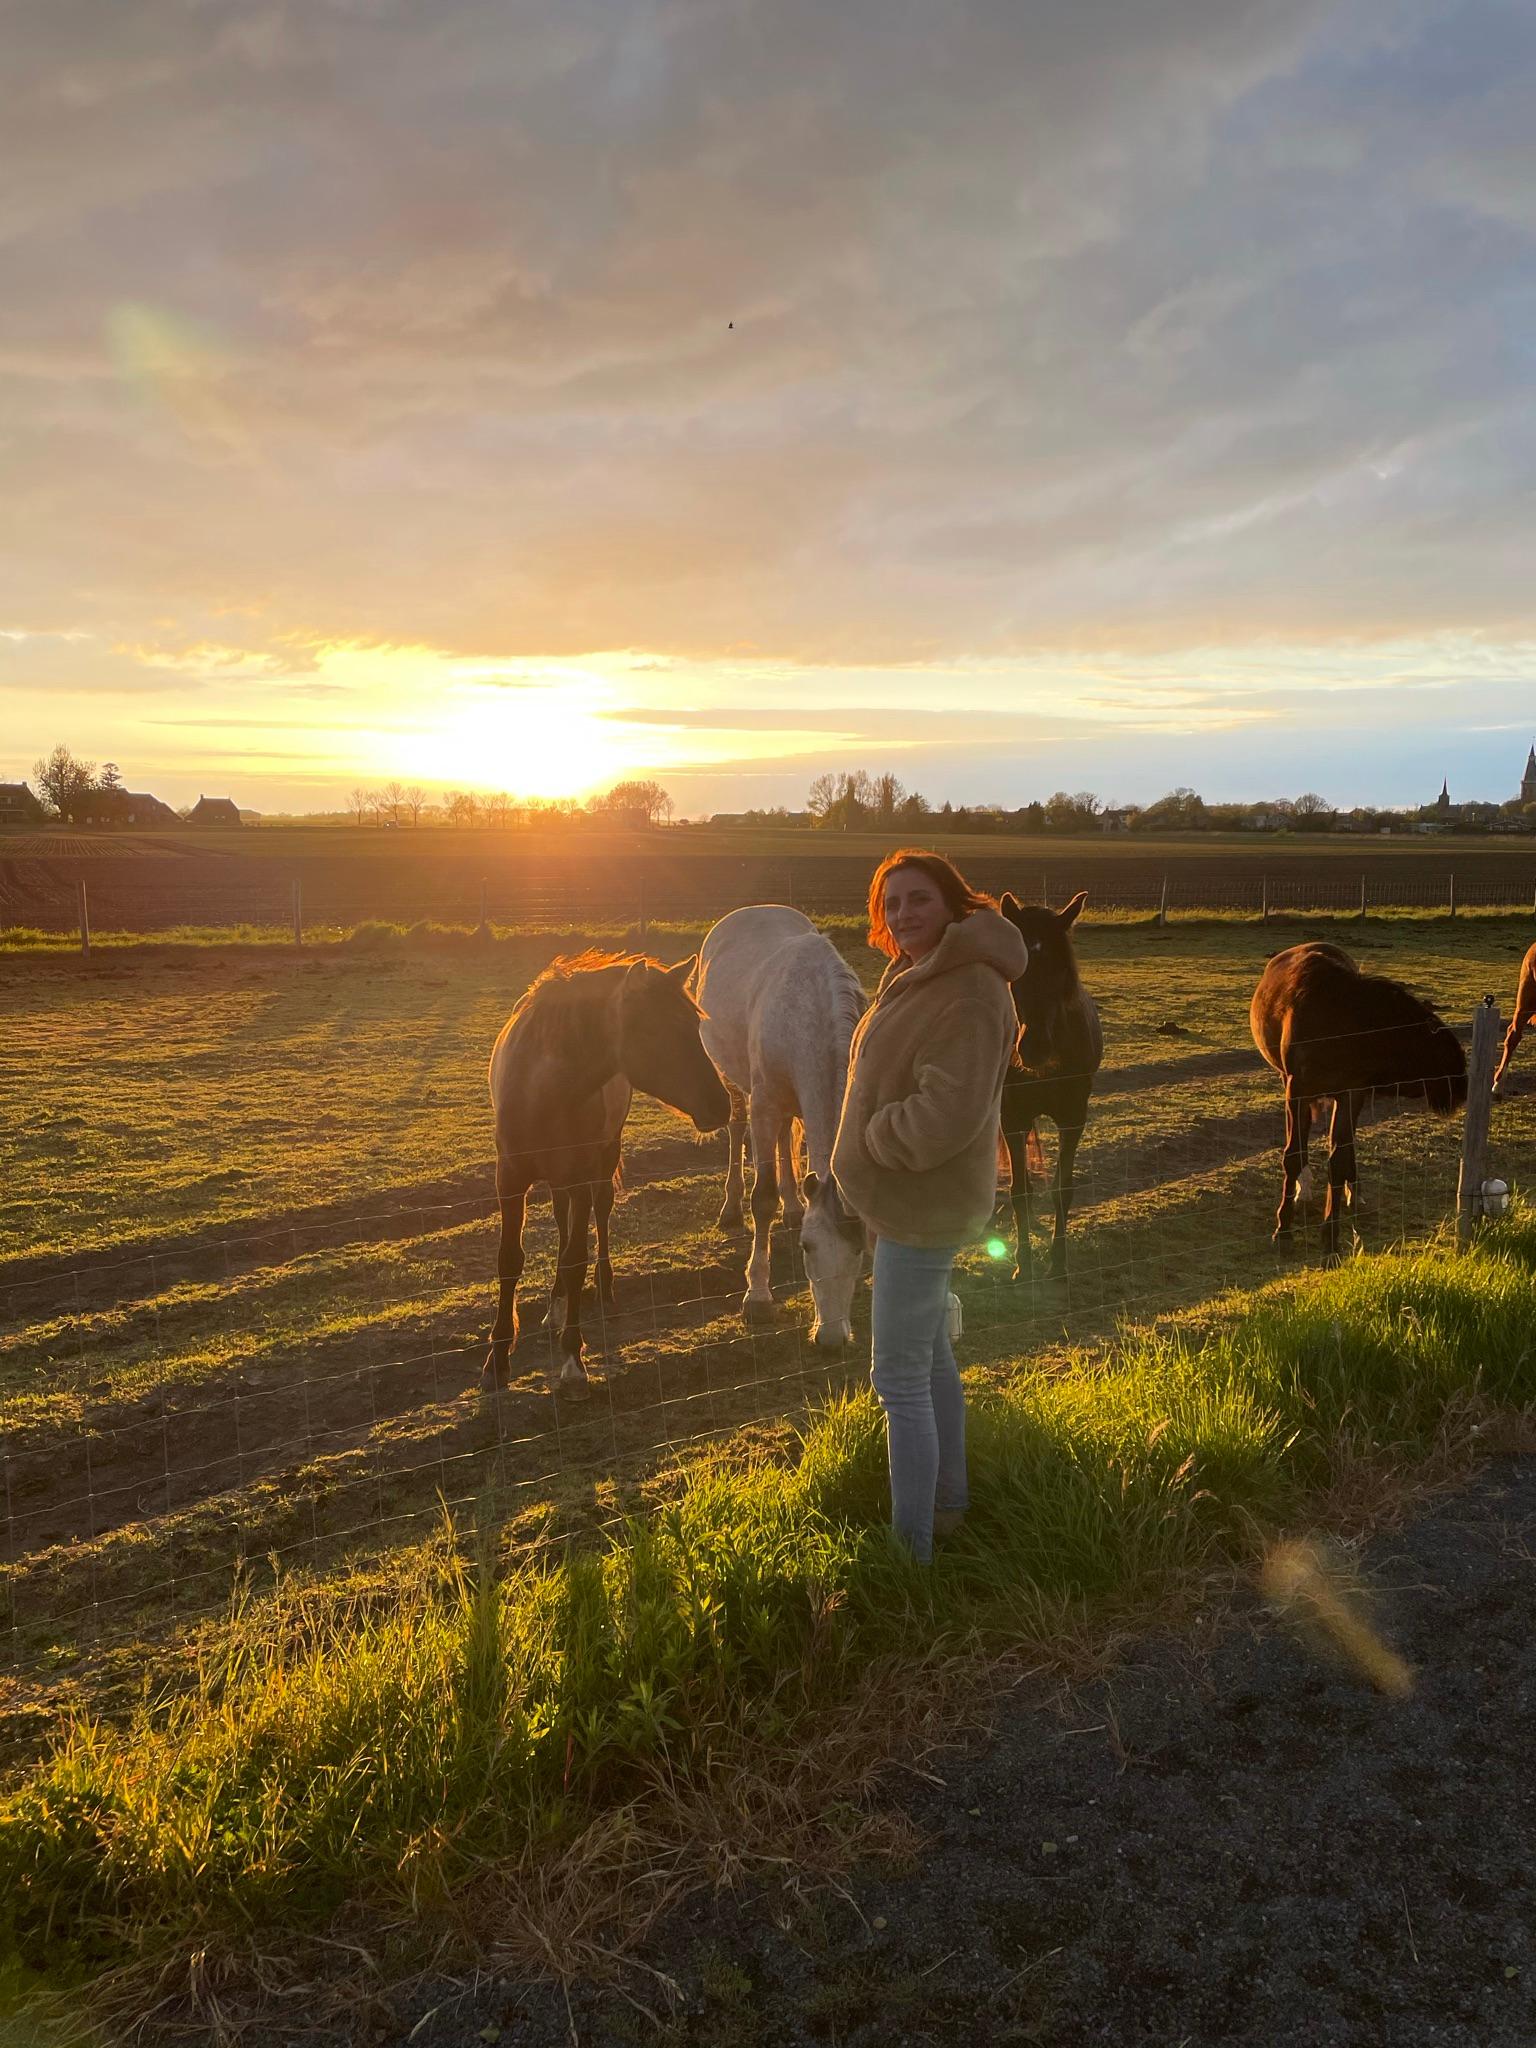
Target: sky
(1022, 395)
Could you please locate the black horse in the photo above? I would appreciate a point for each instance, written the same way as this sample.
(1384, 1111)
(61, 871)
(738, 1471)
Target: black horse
(1060, 1047)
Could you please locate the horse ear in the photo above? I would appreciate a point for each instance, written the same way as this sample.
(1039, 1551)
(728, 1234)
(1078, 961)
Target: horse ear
(1074, 910)
(1009, 904)
(683, 968)
(809, 1186)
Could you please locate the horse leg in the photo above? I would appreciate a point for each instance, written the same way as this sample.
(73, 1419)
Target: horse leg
(560, 1202)
(1018, 1167)
(509, 1270)
(602, 1209)
(735, 1161)
(1068, 1137)
(1341, 1167)
(757, 1304)
(1512, 1037)
(789, 1174)
(1297, 1113)
(570, 1279)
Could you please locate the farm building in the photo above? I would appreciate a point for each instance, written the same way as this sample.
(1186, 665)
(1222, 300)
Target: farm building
(119, 807)
(214, 810)
(18, 806)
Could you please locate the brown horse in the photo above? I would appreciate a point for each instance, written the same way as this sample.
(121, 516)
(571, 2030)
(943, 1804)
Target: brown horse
(1522, 1018)
(588, 1032)
(1336, 1035)
(1059, 1050)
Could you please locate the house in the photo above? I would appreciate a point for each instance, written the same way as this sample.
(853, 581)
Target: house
(1114, 821)
(18, 806)
(214, 810)
(117, 808)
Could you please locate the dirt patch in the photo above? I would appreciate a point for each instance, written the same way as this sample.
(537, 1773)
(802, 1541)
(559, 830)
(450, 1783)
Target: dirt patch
(1227, 1843)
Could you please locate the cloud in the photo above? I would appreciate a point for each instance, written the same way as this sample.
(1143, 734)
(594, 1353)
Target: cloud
(732, 332)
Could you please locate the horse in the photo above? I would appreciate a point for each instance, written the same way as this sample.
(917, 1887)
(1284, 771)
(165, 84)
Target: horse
(1521, 1018)
(588, 1032)
(1059, 1050)
(1336, 1035)
(780, 1005)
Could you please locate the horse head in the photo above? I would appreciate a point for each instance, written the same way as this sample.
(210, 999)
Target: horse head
(832, 1246)
(1445, 1068)
(659, 1047)
(1050, 977)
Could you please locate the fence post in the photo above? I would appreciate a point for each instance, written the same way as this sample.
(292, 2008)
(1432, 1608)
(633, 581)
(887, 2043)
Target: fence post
(482, 925)
(1474, 1133)
(298, 912)
(640, 917)
(1362, 899)
(1162, 903)
(85, 918)
(1453, 892)
(1045, 894)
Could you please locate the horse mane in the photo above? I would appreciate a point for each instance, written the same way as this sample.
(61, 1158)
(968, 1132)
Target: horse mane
(1392, 1002)
(568, 984)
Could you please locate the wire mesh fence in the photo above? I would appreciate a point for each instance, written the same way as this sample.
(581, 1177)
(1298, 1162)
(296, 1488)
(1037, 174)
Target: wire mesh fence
(99, 899)
(310, 1393)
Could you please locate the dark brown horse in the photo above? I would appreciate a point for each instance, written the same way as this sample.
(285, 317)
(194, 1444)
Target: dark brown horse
(1522, 1017)
(1060, 1046)
(1336, 1035)
(588, 1032)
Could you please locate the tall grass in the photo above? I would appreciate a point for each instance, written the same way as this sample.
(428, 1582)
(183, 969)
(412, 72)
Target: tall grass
(385, 1761)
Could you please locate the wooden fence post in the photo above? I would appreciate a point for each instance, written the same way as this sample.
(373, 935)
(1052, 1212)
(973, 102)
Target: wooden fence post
(640, 915)
(84, 914)
(1453, 892)
(1474, 1133)
(298, 912)
(1162, 903)
(1264, 901)
(1362, 899)
(482, 925)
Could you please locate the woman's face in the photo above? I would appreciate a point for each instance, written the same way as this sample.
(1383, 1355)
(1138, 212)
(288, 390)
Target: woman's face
(915, 911)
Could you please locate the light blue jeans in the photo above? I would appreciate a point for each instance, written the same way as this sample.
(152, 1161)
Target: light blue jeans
(918, 1385)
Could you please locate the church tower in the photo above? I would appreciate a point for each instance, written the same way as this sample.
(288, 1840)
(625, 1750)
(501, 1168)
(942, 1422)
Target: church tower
(1528, 779)
(1443, 800)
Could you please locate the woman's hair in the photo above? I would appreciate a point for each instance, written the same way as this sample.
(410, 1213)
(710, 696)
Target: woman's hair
(960, 899)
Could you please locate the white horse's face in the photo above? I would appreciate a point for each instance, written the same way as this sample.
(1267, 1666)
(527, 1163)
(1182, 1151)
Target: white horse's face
(832, 1246)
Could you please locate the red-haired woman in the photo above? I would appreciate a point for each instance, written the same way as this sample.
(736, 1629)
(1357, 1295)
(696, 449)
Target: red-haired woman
(916, 1156)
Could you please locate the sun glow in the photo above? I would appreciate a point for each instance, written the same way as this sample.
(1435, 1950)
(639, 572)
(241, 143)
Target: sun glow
(531, 740)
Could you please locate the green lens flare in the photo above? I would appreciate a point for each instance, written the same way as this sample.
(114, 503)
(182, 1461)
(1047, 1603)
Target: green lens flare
(996, 1248)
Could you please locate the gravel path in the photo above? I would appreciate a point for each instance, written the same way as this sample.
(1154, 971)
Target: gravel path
(1228, 1843)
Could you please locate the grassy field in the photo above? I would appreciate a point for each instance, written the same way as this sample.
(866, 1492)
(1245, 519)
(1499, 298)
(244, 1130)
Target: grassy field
(247, 1253)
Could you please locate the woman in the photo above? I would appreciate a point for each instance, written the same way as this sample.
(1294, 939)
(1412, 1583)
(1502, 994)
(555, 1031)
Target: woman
(916, 1156)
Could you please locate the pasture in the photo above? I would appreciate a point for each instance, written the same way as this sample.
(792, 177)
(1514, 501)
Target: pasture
(248, 1268)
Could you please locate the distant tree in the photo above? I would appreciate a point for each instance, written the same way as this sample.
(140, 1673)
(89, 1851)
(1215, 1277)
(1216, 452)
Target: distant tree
(461, 806)
(391, 802)
(62, 780)
(360, 804)
(635, 799)
(415, 801)
(821, 796)
(111, 776)
(1312, 812)
(1181, 810)
(497, 808)
(887, 797)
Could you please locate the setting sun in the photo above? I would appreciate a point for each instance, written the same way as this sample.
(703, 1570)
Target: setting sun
(531, 740)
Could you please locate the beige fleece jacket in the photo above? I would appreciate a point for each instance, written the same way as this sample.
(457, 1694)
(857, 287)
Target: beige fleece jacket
(916, 1150)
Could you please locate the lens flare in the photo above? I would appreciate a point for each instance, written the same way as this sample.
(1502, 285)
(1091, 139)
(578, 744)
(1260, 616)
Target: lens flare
(997, 1248)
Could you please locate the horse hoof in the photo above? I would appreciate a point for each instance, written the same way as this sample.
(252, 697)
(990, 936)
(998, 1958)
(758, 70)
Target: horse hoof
(573, 1378)
(729, 1219)
(493, 1379)
(755, 1311)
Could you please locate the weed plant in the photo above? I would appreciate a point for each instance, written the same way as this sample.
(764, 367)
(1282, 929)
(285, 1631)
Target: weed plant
(487, 1713)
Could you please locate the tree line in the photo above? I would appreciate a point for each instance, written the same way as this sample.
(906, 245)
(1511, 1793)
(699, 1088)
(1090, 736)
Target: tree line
(860, 801)
(633, 802)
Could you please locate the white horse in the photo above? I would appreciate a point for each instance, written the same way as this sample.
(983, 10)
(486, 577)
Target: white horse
(779, 1007)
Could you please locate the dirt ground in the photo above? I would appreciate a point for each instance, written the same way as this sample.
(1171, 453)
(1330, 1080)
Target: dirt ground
(1227, 1842)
